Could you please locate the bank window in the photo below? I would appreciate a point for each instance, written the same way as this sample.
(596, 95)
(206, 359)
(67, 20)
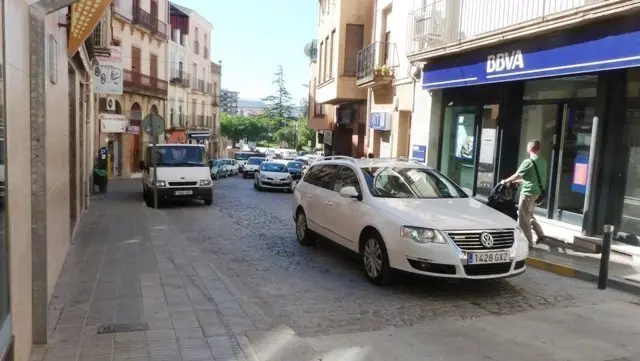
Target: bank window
(4, 260)
(570, 87)
(457, 154)
(630, 220)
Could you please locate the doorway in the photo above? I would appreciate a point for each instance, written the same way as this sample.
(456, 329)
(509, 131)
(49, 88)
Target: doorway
(564, 130)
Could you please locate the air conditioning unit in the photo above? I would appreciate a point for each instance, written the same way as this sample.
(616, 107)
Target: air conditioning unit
(111, 104)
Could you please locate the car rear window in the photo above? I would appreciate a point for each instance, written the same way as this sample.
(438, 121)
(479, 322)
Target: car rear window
(255, 161)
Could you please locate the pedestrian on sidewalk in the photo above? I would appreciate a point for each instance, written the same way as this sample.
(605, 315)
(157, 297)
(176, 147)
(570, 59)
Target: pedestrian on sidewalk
(531, 176)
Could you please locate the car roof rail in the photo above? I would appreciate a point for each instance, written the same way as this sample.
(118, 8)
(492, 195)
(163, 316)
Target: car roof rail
(340, 157)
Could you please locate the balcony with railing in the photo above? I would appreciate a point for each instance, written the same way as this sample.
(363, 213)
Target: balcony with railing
(376, 64)
(151, 23)
(216, 68)
(135, 82)
(446, 26)
(179, 78)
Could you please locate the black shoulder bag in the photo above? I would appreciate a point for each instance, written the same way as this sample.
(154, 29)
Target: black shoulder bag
(543, 192)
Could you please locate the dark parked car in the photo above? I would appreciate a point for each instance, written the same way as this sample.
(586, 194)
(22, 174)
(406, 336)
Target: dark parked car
(295, 169)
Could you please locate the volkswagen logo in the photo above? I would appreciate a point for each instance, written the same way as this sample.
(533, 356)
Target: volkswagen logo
(486, 239)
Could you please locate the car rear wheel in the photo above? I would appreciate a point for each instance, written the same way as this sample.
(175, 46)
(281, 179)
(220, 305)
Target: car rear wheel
(375, 260)
(304, 235)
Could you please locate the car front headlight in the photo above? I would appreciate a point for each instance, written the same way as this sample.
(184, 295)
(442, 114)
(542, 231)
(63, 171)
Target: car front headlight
(289, 177)
(421, 235)
(205, 182)
(160, 183)
(262, 176)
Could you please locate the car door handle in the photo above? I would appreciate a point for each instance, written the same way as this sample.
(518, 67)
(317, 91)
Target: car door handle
(329, 203)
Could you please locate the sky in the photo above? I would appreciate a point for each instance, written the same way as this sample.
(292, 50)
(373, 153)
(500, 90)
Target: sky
(253, 37)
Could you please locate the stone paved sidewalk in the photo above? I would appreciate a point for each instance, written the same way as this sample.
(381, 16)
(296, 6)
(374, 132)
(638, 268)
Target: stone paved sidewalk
(128, 269)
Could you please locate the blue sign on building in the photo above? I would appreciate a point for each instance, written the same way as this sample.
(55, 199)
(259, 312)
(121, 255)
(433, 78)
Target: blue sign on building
(419, 153)
(380, 121)
(601, 47)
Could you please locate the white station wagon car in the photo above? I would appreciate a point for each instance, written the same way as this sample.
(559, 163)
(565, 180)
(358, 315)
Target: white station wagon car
(401, 215)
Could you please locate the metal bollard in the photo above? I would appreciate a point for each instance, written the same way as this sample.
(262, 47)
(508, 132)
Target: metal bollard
(607, 238)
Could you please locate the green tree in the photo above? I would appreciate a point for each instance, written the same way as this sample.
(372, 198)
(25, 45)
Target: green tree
(306, 135)
(286, 134)
(279, 106)
(238, 127)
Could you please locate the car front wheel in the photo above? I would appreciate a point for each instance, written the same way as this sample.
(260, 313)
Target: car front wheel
(375, 260)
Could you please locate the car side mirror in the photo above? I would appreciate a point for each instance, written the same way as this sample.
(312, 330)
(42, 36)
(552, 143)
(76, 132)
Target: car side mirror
(142, 165)
(350, 192)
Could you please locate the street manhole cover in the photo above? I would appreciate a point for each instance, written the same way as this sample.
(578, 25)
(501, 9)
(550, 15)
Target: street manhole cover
(123, 327)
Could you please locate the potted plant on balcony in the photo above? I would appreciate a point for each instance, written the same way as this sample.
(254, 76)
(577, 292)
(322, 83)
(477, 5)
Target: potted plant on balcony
(383, 71)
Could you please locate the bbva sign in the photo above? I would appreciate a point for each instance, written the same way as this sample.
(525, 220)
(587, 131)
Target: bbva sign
(505, 61)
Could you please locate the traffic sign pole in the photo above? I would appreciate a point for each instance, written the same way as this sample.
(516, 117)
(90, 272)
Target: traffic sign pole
(154, 125)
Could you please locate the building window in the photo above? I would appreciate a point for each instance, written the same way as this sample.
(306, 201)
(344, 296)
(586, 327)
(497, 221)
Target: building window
(53, 59)
(331, 46)
(387, 48)
(196, 43)
(321, 65)
(354, 41)
(327, 60)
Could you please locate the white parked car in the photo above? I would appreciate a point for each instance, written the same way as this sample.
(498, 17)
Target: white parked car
(273, 175)
(231, 166)
(401, 215)
(252, 166)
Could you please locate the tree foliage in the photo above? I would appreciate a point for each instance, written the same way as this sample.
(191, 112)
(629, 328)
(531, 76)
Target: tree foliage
(239, 127)
(306, 135)
(279, 106)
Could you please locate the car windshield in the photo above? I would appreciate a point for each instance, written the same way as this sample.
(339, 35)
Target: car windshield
(294, 165)
(227, 161)
(407, 182)
(274, 167)
(214, 163)
(244, 156)
(179, 156)
(255, 161)
(302, 160)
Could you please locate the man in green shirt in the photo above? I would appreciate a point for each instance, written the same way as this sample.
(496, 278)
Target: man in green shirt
(530, 189)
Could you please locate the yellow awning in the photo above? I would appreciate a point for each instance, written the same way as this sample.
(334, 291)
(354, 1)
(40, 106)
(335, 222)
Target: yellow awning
(85, 15)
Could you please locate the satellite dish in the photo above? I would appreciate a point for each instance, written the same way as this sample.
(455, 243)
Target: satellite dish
(307, 50)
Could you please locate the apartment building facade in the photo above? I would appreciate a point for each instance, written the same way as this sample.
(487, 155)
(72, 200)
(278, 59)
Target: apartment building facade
(216, 146)
(344, 27)
(141, 30)
(229, 101)
(45, 142)
(384, 70)
(179, 76)
(498, 74)
(195, 102)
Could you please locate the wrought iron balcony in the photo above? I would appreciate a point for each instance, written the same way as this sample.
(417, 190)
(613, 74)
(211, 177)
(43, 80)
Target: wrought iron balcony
(446, 22)
(135, 82)
(152, 24)
(376, 64)
(179, 78)
(216, 68)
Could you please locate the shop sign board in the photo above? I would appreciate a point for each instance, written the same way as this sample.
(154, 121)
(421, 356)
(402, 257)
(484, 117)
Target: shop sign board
(599, 47)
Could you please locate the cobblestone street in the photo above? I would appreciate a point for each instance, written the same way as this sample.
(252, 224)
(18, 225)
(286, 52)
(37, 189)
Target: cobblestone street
(230, 282)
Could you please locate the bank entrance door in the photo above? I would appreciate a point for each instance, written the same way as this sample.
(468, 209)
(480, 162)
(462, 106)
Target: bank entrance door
(564, 130)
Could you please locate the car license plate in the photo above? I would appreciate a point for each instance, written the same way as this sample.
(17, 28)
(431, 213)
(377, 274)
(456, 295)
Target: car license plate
(183, 193)
(488, 257)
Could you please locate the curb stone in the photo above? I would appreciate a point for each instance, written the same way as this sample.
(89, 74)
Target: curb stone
(570, 272)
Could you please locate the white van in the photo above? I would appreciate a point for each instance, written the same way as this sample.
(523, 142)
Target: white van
(183, 173)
